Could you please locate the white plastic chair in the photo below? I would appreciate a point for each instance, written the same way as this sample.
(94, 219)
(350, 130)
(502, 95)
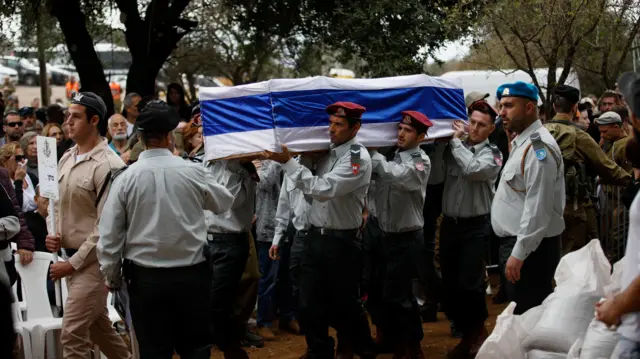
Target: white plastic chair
(40, 318)
(21, 330)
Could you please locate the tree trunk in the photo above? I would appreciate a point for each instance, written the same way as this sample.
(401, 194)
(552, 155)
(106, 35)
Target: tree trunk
(191, 80)
(141, 78)
(80, 46)
(42, 61)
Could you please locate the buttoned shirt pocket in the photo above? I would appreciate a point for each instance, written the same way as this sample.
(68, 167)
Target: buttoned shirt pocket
(516, 189)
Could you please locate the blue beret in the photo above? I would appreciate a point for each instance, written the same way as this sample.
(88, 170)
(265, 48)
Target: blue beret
(518, 89)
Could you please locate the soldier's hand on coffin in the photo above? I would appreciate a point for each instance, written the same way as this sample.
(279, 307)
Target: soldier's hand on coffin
(258, 164)
(458, 129)
(282, 157)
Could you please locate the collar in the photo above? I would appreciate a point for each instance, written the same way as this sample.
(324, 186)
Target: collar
(563, 117)
(478, 146)
(406, 155)
(524, 136)
(156, 152)
(338, 151)
(91, 154)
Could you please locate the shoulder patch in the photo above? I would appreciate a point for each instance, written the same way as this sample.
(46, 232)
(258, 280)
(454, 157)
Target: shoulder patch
(538, 146)
(497, 155)
(355, 158)
(417, 161)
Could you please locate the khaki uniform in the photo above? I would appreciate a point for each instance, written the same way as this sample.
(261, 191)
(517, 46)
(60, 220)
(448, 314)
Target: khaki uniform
(617, 152)
(86, 321)
(579, 148)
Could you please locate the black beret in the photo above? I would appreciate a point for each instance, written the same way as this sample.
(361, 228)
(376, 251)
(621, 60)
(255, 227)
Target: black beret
(90, 99)
(571, 93)
(157, 117)
(26, 111)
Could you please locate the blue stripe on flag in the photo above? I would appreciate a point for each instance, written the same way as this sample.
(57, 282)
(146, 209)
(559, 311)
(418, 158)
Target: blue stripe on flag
(237, 114)
(307, 108)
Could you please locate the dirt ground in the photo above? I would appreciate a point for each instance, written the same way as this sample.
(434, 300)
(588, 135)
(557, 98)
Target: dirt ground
(437, 340)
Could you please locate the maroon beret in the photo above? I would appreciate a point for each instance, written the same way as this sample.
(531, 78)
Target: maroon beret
(416, 119)
(346, 109)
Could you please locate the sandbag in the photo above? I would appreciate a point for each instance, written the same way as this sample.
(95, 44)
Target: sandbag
(541, 354)
(574, 352)
(530, 318)
(616, 279)
(581, 277)
(599, 341)
(505, 342)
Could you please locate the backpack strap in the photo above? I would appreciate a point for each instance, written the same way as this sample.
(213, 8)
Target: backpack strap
(108, 179)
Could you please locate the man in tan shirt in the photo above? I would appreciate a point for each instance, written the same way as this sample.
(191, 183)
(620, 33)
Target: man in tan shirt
(84, 174)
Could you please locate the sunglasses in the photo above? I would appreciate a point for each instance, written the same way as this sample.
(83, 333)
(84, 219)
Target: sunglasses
(19, 158)
(15, 124)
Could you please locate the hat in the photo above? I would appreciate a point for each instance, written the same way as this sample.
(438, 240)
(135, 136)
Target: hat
(518, 89)
(570, 93)
(474, 96)
(629, 84)
(348, 110)
(26, 111)
(483, 105)
(91, 100)
(588, 100)
(608, 118)
(417, 120)
(157, 117)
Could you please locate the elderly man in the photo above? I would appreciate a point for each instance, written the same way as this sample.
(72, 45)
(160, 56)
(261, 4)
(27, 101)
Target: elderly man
(117, 126)
(131, 111)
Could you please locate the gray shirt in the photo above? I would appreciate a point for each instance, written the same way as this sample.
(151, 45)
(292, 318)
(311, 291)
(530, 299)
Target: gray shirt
(530, 206)
(435, 151)
(267, 194)
(400, 189)
(338, 193)
(293, 206)
(238, 181)
(471, 175)
(154, 214)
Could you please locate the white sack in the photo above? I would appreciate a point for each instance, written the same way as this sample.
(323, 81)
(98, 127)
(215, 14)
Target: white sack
(574, 352)
(616, 278)
(599, 341)
(581, 277)
(530, 318)
(505, 342)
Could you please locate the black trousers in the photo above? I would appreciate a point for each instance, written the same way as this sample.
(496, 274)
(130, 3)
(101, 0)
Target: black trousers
(329, 294)
(536, 274)
(295, 257)
(371, 259)
(169, 308)
(228, 256)
(391, 304)
(428, 275)
(462, 262)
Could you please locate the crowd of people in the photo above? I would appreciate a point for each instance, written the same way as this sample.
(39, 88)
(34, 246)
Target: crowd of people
(325, 239)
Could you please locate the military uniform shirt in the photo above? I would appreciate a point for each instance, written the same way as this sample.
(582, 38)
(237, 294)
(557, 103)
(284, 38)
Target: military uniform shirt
(400, 189)
(238, 181)
(471, 176)
(617, 152)
(292, 207)
(530, 206)
(338, 193)
(435, 151)
(154, 214)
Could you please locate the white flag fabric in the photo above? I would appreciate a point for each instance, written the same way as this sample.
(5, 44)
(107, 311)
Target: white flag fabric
(262, 116)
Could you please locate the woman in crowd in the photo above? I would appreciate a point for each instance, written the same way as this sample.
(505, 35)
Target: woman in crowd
(29, 146)
(53, 129)
(12, 158)
(175, 98)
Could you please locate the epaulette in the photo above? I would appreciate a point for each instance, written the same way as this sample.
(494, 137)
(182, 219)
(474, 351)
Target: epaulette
(355, 158)
(538, 146)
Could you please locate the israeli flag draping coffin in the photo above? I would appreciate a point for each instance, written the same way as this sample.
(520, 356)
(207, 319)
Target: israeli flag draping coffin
(262, 116)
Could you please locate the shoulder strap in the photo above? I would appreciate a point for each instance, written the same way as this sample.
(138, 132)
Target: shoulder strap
(526, 150)
(107, 179)
(355, 158)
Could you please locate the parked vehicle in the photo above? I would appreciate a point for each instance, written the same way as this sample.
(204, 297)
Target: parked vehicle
(28, 74)
(6, 72)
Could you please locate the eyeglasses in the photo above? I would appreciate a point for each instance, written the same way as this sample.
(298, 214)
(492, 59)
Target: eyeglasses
(15, 124)
(19, 158)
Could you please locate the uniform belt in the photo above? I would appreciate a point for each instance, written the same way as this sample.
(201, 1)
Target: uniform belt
(468, 220)
(226, 236)
(335, 232)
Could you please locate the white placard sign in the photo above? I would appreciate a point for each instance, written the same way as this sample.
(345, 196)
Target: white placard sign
(48, 167)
